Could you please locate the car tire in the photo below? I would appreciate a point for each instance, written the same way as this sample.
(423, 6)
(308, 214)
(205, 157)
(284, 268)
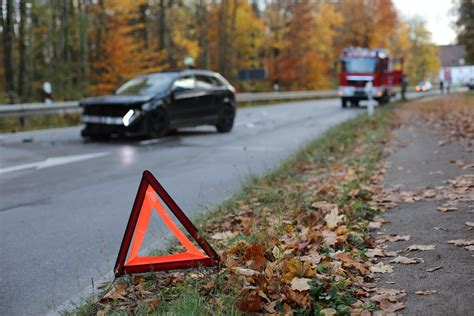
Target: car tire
(354, 103)
(100, 138)
(225, 119)
(344, 103)
(159, 123)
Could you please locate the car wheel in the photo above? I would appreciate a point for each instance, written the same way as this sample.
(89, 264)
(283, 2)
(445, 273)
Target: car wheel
(159, 123)
(355, 103)
(225, 119)
(344, 103)
(100, 138)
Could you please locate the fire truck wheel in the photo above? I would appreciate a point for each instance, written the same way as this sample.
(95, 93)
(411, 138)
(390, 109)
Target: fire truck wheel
(354, 103)
(344, 103)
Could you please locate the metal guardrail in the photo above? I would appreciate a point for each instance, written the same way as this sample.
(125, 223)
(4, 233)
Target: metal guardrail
(31, 109)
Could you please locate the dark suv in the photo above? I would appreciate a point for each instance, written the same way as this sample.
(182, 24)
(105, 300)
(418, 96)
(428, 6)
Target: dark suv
(154, 104)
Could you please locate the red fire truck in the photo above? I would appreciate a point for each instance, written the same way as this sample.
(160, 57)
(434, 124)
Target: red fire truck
(361, 65)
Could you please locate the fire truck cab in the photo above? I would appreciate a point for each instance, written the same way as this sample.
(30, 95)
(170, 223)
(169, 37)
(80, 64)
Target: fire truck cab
(361, 65)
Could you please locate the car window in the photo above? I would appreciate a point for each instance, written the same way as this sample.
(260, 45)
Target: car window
(146, 85)
(184, 84)
(204, 82)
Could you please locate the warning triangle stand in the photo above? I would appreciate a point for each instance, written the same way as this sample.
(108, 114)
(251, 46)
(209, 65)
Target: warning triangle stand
(145, 202)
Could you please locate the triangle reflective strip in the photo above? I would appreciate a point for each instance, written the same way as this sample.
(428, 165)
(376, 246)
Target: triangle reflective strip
(151, 202)
(145, 201)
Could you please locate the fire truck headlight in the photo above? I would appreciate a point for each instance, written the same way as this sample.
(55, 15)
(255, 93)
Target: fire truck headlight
(340, 93)
(378, 93)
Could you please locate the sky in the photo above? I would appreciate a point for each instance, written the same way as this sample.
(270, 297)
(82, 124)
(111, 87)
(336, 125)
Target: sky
(437, 15)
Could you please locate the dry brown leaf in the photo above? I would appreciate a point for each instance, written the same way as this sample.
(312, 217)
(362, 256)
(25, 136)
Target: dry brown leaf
(376, 252)
(375, 225)
(116, 292)
(329, 237)
(391, 307)
(421, 247)
(224, 235)
(324, 206)
(250, 303)
(461, 242)
(381, 268)
(429, 193)
(246, 272)
(427, 292)
(394, 237)
(434, 269)
(406, 260)
(300, 284)
(446, 209)
(332, 219)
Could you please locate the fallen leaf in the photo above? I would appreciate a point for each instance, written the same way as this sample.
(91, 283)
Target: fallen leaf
(429, 193)
(375, 225)
(328, 312)
(427, 292)
(300, 284)
(391, 307)
(381, 268)
(116, 292)
(246, 272)
(470, 224)
(224, 235)
(250, 303)
(376, 252)
(421, 247)
(276, 252)
(394, 237)
(434, 269)
(446, 209)
(329, 237)
(461, 242)
(324, 206)
(469, 248)
(406, 260)
(332, 219)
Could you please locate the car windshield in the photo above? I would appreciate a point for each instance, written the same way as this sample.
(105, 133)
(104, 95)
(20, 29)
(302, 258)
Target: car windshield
(146, 85)
(359, 65)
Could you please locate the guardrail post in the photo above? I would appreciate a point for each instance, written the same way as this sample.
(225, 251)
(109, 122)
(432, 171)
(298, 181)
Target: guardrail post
(22, 120)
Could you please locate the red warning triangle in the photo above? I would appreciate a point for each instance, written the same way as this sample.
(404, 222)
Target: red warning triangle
(145, 202)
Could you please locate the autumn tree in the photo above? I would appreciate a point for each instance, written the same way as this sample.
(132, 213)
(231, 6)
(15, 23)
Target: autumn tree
(423, 58)
(465, 27)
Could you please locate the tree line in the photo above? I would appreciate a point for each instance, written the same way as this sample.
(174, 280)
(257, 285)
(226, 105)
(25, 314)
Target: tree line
(85, 47)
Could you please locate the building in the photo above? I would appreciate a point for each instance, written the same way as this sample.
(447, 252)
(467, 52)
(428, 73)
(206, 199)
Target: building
(453, 66)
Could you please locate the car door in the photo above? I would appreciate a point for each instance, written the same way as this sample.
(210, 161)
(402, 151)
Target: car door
(183, 102)
(207, 96)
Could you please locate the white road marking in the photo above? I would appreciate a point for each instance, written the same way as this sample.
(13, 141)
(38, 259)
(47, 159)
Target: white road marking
(53, 162)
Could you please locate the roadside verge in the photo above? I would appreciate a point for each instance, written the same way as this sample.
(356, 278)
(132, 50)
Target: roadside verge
(294, 241)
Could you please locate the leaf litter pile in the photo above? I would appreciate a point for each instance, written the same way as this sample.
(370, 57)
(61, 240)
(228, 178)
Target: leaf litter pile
(296, 241)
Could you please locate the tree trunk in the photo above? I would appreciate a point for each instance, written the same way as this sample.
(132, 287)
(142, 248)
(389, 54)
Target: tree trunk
(7, 50)
(201, 12)
(162, 25)
(22, 50)
(223, 37)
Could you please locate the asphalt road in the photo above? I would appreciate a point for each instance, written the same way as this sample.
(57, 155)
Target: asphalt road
(65, 202)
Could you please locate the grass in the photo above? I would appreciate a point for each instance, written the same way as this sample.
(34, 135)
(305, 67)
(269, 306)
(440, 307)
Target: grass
(355, 144)
(13, 124)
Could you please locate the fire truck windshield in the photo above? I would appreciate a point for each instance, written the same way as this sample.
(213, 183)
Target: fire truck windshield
(359, 65)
